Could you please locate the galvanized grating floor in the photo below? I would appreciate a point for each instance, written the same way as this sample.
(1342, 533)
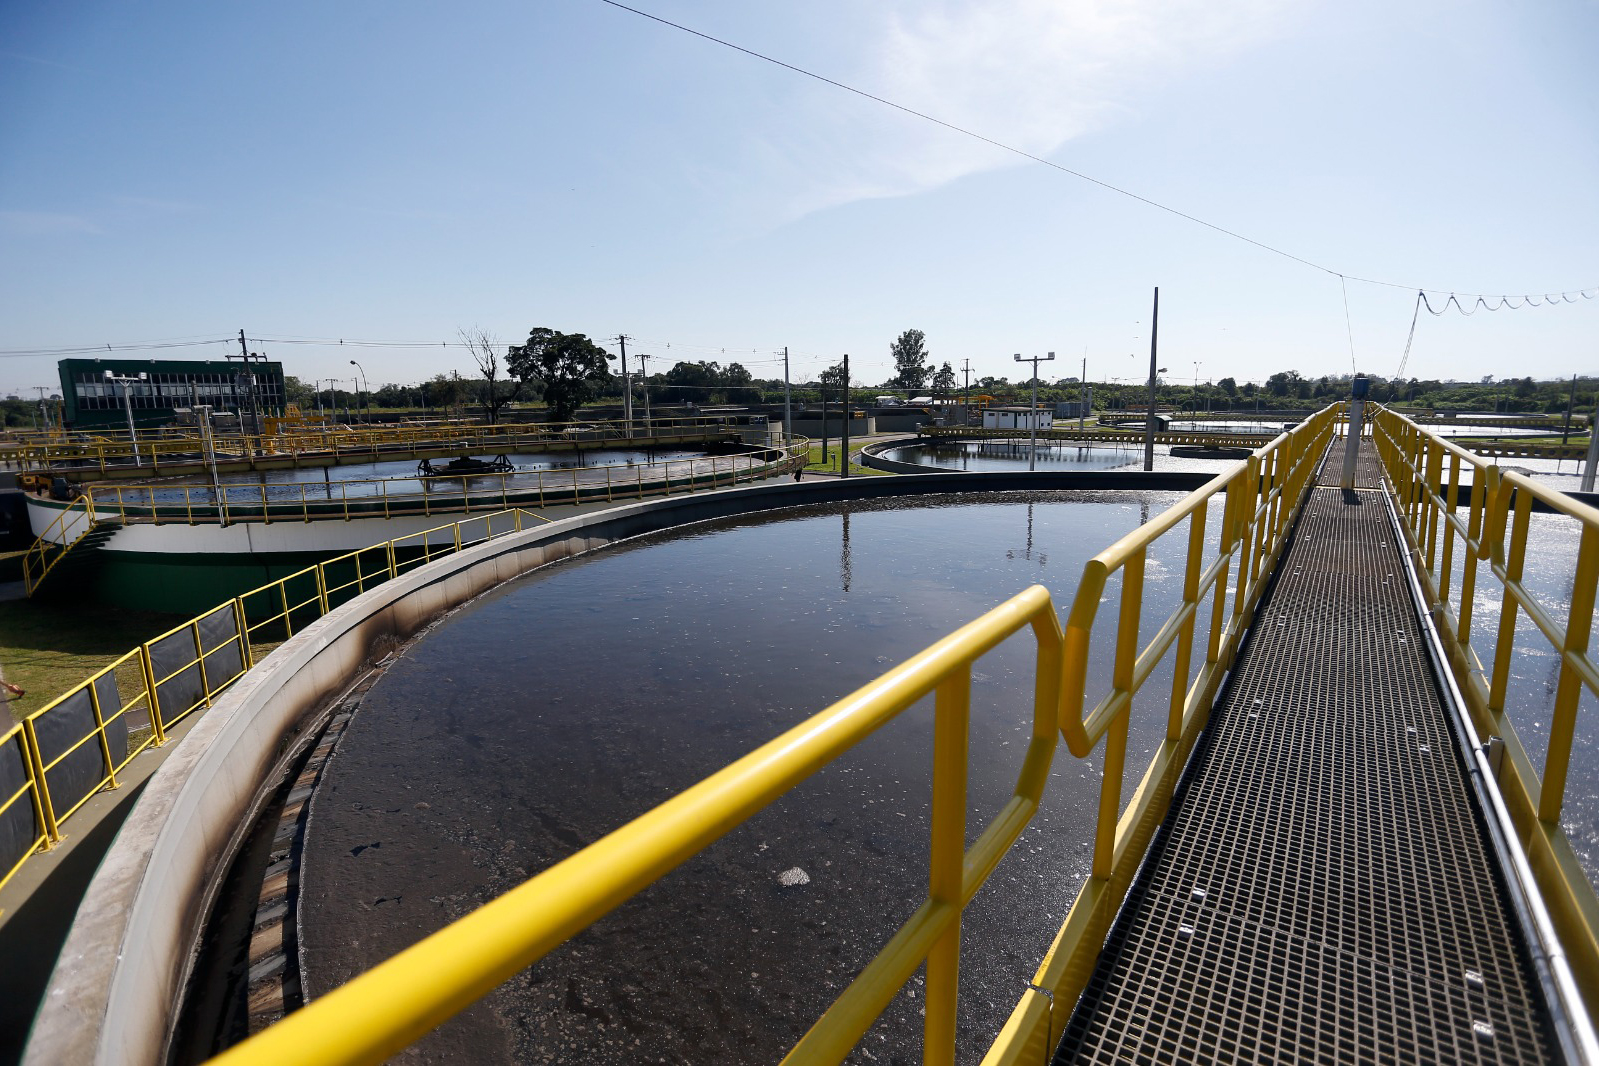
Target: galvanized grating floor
(1322, 890)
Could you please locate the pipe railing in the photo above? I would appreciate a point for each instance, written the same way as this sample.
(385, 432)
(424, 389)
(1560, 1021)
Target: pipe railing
(433, 494)
(1456, 547)
(180, 446)
(58, 757)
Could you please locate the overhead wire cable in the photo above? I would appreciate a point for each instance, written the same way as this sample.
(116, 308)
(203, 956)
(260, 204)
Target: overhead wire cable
(1416, 314)
(1029, 155)
(1350, 329)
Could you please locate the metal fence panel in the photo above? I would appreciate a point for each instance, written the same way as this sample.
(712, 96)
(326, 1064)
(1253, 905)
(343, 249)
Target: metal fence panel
(81, 773)
(224, 659)
(175, 664)
(19, 829)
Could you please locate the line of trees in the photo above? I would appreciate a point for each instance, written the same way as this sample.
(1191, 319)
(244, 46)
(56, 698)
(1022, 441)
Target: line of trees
(563, 371)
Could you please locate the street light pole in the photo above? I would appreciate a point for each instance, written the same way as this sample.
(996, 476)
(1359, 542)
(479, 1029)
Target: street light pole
(366, 418)
(1032, 416)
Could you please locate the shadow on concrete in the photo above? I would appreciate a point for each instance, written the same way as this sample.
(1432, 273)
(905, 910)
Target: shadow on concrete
(32, 935)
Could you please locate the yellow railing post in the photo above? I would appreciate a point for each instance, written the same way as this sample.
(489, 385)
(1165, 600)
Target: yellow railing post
(153, 697)
(99, 732)
(46, 809)
(1568, 689)
(246, 652)
(1185, 635)
(199, 658)
(1514, 558)
(951, 737)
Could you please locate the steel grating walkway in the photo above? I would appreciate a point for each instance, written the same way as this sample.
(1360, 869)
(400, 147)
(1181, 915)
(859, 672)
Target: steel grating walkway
(1322, 890)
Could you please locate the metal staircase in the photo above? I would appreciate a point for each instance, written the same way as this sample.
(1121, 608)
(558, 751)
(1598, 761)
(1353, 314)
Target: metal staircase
(76, 532)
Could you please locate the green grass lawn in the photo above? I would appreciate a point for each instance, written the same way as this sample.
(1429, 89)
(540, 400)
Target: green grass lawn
(831, 464)
(48, 646)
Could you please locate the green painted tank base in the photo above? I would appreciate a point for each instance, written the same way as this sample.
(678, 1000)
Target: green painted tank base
(182, 584)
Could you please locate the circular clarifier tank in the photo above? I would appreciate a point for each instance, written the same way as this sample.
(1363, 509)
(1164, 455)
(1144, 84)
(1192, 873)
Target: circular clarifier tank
(1053, 456)
(399, 477)
(565, 703)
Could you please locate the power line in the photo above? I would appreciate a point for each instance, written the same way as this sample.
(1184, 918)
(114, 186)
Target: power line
(19, 353)
(1076, 173)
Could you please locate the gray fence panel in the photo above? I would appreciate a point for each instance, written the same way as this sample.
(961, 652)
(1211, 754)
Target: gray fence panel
(183, 689)
(80, 773)
(18, 827)
(219, 631)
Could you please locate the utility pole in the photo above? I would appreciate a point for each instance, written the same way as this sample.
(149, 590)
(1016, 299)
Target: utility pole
(788, 416)
(246, 378)
(966, 401)
(1149, 415)
(1082, 397)
(843, 455)
(1032, 415)
(44, 407)
(627, 386)
(644, 379)
(1571, 401)
(1591, 461)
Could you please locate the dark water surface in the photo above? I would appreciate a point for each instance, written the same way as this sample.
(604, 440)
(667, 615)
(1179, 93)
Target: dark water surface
(572, 700)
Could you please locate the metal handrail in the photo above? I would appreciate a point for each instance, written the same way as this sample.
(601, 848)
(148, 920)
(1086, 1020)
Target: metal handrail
(112, 448)
(1424, 472)
(48, 550)
(449, 493)
(253, 631)
(383, 1010)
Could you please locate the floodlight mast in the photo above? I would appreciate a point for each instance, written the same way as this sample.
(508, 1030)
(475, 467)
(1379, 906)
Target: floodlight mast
(127, 403)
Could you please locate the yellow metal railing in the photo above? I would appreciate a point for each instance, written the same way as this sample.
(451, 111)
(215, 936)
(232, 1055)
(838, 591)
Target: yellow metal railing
(1456, 546)
(61, 755)
(385, 1009)
(181, 446)
(57, 539)
(439, 494)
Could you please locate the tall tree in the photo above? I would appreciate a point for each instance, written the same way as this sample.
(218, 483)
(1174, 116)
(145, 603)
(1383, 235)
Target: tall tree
(484, 348)
(571, 367)
(910, 359)
(944, 380)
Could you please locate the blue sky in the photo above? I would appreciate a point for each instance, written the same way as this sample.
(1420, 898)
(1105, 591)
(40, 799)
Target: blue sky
(398, 171)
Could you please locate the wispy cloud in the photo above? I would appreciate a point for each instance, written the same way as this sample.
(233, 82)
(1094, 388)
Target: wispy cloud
(1031, 73)
(44, 223)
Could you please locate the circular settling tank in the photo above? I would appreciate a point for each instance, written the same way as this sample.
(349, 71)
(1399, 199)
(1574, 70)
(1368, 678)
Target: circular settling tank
(1054, 456)
(568, 702)
(399, 477)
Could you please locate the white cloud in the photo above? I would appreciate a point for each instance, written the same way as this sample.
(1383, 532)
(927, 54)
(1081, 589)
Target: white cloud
(1031, 73)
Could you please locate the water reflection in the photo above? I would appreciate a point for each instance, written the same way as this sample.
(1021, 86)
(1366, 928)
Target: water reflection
(1008, 455)
(843, 551)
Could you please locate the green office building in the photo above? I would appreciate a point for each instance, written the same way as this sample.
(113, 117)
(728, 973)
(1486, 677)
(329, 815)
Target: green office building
(92, 401)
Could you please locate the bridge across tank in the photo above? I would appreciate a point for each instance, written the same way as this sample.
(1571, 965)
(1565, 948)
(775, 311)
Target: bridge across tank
(1323, 888)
